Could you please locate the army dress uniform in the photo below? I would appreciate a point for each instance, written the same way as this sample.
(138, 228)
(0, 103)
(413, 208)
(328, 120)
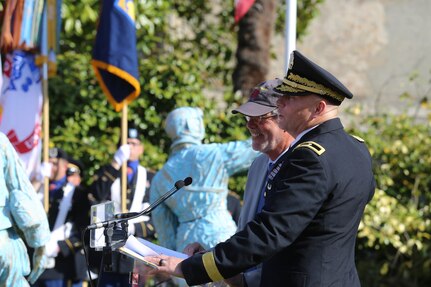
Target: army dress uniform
(315, 197)
(300, 235)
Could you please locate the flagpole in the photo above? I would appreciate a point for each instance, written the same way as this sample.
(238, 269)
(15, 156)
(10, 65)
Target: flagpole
(45, 133)
(45, 107)
(290, 30)
(124, 165)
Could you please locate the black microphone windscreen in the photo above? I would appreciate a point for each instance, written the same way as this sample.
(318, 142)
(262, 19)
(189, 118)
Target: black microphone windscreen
(188, 181)
(179, 184)
(125, 215)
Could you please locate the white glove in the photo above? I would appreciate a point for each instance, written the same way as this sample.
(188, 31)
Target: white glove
(131, 229)
(52, 248)
(122, 154)
(44, 171)
(40, 261)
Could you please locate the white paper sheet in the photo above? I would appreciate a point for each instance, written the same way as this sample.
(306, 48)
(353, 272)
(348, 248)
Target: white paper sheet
(146, 248)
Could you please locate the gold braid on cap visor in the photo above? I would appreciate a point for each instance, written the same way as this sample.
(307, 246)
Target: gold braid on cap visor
(297, 84)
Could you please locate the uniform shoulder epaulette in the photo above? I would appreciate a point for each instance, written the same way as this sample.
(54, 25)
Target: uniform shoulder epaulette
(317, 148)
(358, 138)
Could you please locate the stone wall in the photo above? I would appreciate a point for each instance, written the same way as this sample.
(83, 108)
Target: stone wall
(373, 46)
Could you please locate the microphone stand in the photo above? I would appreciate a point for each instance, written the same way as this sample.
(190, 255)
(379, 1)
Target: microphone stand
(107, 249)
(113, 234)
(132, 215)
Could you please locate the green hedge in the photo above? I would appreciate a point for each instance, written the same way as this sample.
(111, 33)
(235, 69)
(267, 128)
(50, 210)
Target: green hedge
(394, 241)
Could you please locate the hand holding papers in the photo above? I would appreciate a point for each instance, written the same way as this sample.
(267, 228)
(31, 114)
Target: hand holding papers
(139, 248)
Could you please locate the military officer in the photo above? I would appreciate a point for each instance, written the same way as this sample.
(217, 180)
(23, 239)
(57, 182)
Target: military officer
(315, 197)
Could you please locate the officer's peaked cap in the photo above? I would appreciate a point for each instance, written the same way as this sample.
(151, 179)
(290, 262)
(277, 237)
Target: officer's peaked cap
(75, 166)
(133, 131)
(305, 77)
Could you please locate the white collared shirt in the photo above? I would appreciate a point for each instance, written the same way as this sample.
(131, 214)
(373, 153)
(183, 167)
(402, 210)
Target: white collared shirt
(302, 134)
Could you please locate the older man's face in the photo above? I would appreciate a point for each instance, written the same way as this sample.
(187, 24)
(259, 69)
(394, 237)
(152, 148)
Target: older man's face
(266, 136)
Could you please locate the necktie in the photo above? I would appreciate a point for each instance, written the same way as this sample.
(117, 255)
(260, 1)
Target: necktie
(262, 193)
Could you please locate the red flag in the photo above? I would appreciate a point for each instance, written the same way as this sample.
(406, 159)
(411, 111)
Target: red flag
(241, 8)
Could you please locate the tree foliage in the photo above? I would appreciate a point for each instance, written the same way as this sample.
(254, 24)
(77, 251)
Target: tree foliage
(394, 242)
(186, 51)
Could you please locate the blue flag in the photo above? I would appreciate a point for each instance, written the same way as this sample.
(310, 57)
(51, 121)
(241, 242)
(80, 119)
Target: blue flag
(115, 59)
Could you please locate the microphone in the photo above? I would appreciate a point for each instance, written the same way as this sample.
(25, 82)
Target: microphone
(131, 215)
(125, 215)
(187, 181)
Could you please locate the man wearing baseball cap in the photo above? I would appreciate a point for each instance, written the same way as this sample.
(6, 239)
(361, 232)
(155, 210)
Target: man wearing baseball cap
(260, 112)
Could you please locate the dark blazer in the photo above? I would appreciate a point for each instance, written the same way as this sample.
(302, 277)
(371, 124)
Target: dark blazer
(305, 235)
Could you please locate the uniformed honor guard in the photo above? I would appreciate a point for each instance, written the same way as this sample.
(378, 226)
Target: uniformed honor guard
(305, 234)
(68, 215)
(107, 186)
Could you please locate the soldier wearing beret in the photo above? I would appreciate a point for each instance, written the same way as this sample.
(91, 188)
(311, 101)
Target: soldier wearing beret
(68, 215)
(314, 199)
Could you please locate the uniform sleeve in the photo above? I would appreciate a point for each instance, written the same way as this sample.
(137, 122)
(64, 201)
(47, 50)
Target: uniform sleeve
(103, 180)
(296, 198)
(25, 207)
(237, 155)
(165, 221)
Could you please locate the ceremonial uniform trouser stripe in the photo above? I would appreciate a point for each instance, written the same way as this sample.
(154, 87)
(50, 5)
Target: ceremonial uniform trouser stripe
(211, 267)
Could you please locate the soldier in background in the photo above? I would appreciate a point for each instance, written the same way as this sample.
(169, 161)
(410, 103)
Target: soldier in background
(107, 186)
(68, 216)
